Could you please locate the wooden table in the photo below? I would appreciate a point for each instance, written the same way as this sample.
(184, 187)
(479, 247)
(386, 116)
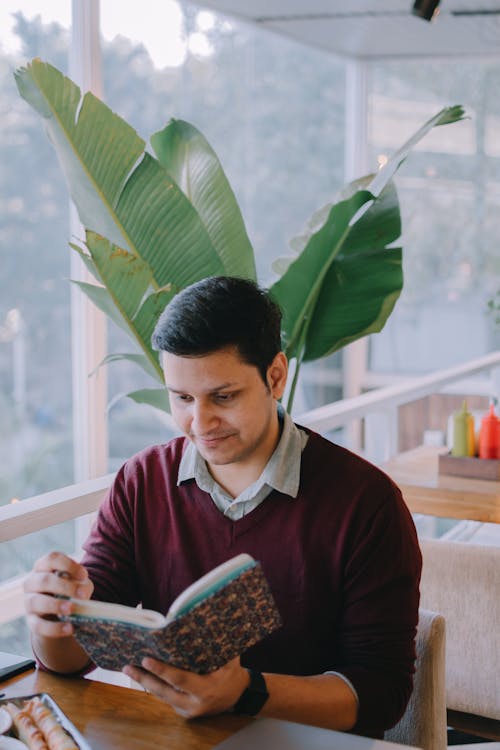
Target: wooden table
(110, 717)
(427, 491)
(119, 718)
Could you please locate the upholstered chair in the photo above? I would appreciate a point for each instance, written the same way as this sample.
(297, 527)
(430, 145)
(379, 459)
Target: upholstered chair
(424, 721)
(462, 581)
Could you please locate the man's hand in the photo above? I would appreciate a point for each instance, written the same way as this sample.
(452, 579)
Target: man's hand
(190, 694)
(53, 576)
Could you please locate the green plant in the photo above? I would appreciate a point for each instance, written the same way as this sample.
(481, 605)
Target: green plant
(156, 225)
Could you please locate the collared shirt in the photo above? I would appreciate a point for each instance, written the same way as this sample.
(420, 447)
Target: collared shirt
(282, 472)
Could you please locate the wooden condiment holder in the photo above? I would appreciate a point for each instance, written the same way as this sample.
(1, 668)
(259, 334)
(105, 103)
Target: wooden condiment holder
(469, 466)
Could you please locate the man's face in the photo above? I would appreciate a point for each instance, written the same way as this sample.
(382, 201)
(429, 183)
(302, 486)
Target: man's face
(222, 404)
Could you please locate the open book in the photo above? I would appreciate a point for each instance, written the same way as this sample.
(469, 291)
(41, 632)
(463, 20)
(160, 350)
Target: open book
(215, 619)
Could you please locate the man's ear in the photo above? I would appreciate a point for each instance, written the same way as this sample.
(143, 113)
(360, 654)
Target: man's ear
(277, 374)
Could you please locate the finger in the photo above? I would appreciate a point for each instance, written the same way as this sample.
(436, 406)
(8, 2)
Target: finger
(156, 686)
(44, 605)
(58, 561)
(147, 679)
(179, 679)
(49, 628)
(43, 613)
(49, 583)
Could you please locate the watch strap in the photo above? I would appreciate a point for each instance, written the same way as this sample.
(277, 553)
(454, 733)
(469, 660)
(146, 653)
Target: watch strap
(253, 697)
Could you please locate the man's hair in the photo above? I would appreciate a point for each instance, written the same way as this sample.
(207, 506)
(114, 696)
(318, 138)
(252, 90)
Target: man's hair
(220, 312)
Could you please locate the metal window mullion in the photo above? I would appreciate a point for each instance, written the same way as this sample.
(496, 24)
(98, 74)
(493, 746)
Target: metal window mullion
(89, 341)
(355, 356)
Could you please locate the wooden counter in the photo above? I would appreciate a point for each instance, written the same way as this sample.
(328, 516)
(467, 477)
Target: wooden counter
(427, 491)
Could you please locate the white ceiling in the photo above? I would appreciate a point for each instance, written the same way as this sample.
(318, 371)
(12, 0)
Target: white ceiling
(369, 29)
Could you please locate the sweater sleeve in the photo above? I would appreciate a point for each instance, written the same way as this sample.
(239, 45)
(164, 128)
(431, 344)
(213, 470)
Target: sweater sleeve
(380, 613)
(110, 549)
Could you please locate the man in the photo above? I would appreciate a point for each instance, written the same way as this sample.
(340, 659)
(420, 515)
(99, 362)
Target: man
(335, 540)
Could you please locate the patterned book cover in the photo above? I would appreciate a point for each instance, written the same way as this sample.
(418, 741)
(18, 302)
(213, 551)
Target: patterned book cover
(216, 630)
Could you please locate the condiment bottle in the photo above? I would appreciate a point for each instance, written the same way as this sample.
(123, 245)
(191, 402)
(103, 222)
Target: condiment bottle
(489, 435)
(463, 432)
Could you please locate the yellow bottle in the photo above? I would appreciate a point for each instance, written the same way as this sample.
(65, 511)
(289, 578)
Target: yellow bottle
(463, 433)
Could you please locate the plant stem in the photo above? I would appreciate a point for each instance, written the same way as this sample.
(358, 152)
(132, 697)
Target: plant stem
(298, 361)
(292, 389)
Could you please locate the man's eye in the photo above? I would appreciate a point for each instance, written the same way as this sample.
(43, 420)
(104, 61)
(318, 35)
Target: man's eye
(183, 397)
(224, 397)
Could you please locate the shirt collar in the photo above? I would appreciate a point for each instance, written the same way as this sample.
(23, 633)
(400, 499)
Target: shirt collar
(282, 471)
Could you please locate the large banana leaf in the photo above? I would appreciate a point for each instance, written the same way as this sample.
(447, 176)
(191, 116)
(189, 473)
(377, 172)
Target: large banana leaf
(156, 397)
(299, 288)
(120, 191)
(138, 359)
(345, 281)
(444, 117)
(363, 302)
(365, 280)
(126, 296)
(193, 164)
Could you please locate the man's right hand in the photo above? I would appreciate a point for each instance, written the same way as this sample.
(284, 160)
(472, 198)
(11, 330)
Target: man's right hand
(53, 576)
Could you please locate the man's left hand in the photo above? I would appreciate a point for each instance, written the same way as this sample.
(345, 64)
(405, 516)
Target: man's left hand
(190, 694)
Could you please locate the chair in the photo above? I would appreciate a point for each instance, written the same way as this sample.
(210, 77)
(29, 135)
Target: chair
(424, 721)
(462, 581)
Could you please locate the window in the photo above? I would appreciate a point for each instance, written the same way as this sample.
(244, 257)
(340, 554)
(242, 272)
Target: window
(36, 444)
(449, 192)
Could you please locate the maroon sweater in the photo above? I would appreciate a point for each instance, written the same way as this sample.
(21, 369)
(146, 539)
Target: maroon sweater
(342, 560)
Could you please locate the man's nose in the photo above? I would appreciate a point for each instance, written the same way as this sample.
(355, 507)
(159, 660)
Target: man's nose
(204, 418)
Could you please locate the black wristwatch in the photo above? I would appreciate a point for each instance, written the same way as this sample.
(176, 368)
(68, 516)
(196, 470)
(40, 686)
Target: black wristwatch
(253, 697)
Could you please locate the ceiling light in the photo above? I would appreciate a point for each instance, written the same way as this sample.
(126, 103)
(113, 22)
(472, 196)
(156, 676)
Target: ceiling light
(426, 9)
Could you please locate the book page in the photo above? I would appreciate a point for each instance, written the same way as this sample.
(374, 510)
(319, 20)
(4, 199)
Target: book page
(145, 618)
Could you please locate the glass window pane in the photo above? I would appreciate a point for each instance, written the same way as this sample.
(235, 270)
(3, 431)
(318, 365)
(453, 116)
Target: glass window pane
(449, 191)
(35, 347)
(35, 351)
